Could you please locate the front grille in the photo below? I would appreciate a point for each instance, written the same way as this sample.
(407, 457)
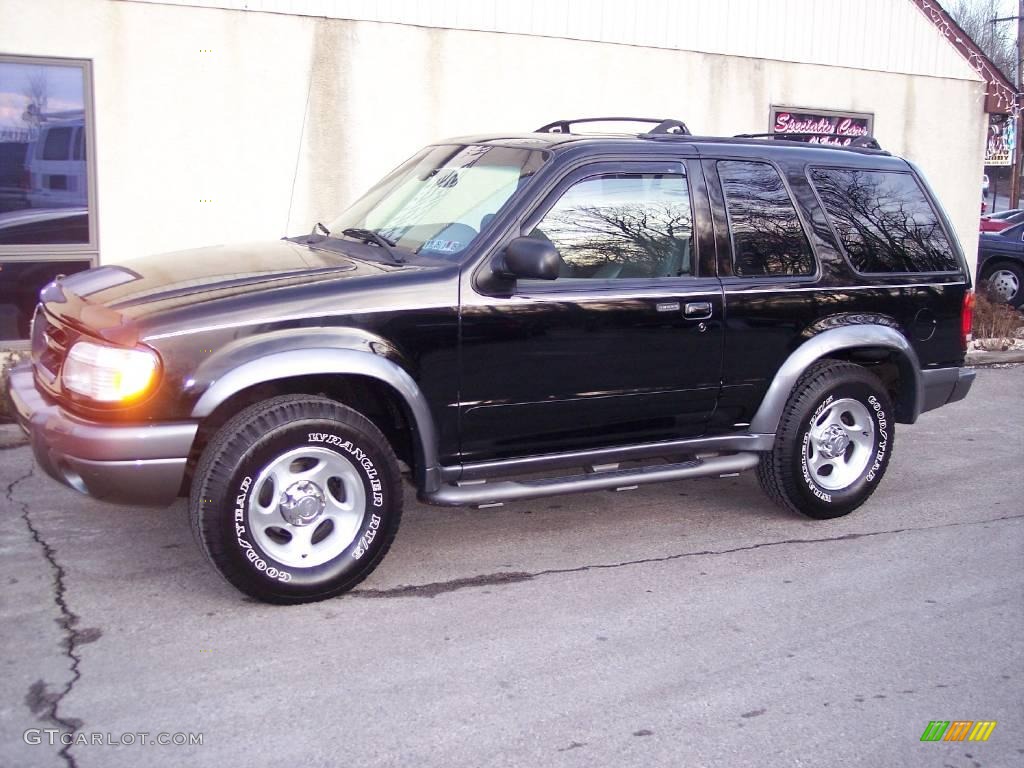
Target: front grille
(50, 342)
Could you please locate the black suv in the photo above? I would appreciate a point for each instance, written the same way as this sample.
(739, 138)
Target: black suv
(507, 317)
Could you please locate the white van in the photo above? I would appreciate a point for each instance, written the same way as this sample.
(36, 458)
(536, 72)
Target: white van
(55, 165)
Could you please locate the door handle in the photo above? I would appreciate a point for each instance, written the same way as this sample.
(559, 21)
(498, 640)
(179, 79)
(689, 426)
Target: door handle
(697, 310)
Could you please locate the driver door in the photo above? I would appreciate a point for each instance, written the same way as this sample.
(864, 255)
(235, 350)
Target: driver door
(625, 346)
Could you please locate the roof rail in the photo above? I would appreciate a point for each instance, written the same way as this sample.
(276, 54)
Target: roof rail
(661, 125)
(861, 142)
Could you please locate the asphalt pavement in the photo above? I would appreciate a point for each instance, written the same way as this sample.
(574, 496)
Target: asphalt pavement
(686, 624)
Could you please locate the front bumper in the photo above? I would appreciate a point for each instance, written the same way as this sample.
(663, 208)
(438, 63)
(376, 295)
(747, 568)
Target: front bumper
(141, 464)
(945, 385)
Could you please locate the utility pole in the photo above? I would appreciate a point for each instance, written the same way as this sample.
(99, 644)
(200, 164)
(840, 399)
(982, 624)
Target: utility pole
(1015, 188)
(1017, 101)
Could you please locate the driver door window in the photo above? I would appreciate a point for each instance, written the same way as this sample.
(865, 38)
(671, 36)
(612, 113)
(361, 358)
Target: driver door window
(619, 226)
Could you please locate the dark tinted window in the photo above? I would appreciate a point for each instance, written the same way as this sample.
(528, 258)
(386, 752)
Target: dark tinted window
(43, 163)
(622, 226)
(57, 144)
(767, 236)
(44, 182)
(884, 221)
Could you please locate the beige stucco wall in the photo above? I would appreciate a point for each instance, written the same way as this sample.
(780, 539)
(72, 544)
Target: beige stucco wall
(289, 118)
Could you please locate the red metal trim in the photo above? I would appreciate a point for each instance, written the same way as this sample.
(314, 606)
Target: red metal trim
(1001, 94)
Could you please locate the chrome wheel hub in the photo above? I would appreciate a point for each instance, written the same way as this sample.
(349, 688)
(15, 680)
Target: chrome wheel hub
(302, 502)
(306, 506)
(833, 441)
(841, 444)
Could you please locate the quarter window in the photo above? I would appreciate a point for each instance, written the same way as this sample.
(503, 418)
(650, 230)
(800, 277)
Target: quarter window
(767, 236)
(635, 225)
(884, 221)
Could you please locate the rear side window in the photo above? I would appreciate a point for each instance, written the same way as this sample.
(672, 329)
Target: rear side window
(884, 221)
(767, 236)
(57, 144)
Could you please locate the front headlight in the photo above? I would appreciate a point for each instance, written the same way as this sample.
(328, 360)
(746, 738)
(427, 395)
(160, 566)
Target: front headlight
(109, 374)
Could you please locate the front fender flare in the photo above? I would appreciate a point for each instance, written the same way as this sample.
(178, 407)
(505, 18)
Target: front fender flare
(318, 361)
(769, 413)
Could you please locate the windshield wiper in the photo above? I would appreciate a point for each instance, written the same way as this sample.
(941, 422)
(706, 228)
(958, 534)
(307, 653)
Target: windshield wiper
(322, 228)
(369, 236)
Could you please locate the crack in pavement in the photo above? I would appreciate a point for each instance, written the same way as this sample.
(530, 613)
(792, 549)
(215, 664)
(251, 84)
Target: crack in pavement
(490, 579)
(38, 699)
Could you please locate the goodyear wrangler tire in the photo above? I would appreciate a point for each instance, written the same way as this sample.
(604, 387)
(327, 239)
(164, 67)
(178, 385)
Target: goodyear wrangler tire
(833, 444)
(296, 499)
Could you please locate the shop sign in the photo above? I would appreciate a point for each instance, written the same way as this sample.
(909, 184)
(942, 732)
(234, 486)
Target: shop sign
(1001, 140)
(821, 126)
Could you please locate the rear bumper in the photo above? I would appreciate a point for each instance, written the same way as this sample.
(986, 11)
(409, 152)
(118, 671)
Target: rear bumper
(945, 385)
(141, 464)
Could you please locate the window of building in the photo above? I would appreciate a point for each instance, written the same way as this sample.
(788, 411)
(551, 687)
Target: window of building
(884, 221)
(633, 225)
(767, 236)
(47, 208)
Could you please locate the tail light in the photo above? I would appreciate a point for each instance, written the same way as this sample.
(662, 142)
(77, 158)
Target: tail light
(966, 318)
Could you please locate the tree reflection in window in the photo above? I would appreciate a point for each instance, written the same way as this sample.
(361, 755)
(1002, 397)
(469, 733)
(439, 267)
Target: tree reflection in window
(622, 226)
(767, 237)
(884, 221)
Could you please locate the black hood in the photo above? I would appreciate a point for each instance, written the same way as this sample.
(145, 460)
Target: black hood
(190, 276)
(181, 288)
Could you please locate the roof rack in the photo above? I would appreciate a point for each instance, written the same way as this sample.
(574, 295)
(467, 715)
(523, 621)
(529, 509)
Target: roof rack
(661, 125)
(860, 142)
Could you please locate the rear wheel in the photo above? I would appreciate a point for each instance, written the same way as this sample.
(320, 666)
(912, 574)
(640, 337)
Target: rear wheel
(833, 444)
(296, 499)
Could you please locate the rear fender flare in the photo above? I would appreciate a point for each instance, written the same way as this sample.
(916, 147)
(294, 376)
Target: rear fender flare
(769, 413)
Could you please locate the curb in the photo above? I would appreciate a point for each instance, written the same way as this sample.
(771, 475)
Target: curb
(980, 357)
(11, 436)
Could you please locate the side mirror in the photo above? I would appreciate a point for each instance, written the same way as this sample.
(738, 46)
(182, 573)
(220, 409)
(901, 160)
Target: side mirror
(531, 258)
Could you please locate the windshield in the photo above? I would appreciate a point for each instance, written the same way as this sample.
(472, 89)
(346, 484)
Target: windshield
(439, 201)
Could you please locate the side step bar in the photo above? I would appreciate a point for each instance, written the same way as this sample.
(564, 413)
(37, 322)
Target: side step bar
(483, 493)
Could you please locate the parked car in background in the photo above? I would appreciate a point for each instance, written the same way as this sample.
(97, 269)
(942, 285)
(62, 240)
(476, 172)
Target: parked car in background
(1001, 264)
(994, 222)
(55, 175)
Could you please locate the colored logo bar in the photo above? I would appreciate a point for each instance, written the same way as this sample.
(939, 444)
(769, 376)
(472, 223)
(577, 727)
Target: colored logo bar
(958, 730)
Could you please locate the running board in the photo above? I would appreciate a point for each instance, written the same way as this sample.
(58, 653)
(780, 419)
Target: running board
(484, 493)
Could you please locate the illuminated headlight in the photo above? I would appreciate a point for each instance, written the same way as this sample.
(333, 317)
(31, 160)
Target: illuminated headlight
(108, 374)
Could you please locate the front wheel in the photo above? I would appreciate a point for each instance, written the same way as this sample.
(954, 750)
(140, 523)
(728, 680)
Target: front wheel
(296, 499)
(833, 444)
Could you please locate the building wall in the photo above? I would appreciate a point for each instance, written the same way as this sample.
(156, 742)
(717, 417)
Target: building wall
(281, 120)
(882, 35)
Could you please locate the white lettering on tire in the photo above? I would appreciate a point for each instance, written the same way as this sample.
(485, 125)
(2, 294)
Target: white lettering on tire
(811, 485)
(250, 554)
(360, 457)
(367, 538)
(883, 438)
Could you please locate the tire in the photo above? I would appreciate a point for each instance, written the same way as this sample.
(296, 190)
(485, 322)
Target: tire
(1006, 283)
(834, 442)
(296, 499)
